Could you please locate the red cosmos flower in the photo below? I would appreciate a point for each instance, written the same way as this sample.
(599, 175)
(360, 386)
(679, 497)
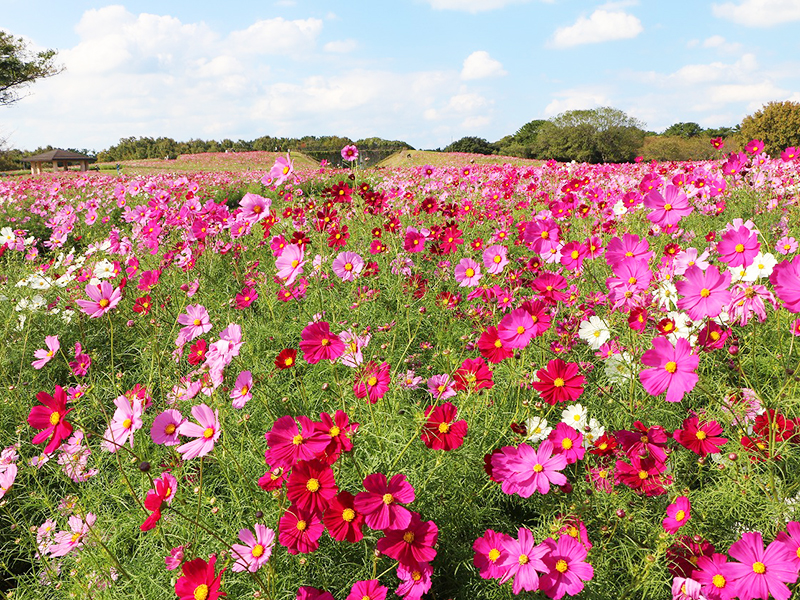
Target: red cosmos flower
(411, 545)
(473, 375)
(491, 346)
(50, 418)
(339, 429)
(644, 442)
(287, 444)
(540, 313)
(311, 486)
(559, 382)
(343, 521)
(286, 358)
(771, 423)
(318, 343)
(273, 480)
(197, 352)
(164, 491)
(700, 438)
(642, 479)
(441, 432)
(605, 445)
(550, 286)
(373, 382)
(246, 297)
(299, 530)
(380, 503)
(198, 580)
(143, 305)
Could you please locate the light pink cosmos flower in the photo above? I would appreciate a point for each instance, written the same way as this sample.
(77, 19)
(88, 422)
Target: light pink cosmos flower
(256, 550)
(673, 369)
(242, 389)
(282, 170)
(689, 258)
(350, 152)
(175, 558)
(348, 265)
(45, 356)
(196, 323)
(207, 432)
(104, 297)
(254, 207)
(290, 264)
(165, 427)
(7, 478)
(535, 470)
(467, 273)
(442, 386)
(65, 542)
(494, 259)
(785, 278)
(127, 419)
(704, 293)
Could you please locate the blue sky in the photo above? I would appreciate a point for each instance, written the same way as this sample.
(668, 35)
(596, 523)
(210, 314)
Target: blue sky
(423, 71)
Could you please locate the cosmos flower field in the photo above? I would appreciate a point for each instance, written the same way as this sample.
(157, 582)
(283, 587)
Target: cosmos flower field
(450, 381)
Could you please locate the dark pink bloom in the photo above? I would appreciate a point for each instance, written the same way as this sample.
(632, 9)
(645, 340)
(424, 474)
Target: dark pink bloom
(380, 503)
(411, 545)
(442, 431)
(299, 530)
(738, 247)
(700, 438)
(318, 343)
(306, 592)
(567, 568)
(522, 561)
(414, 242)
(559, 382)
(629, 247)
(673, 369)
(489, 554)
(761, 572)
(677, 514)
(791, 540)
(370, 589)
(373, 381)
(287, 444)
(715, 578)
(50, 418)
(311, 486)
(567, 442)
(516, 329)
(704, 293)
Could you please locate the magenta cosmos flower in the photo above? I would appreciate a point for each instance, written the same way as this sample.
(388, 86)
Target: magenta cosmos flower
(704, 293)
(287, 444)
(104, 297)
(467, 273)
(45, 356)
(256, 549)
(318, 343)
(566, 567)
(673, 369)
(761, 572)
(411, 545)
(370, 589)
(51, 419)
(516, 329)
(522, 561)
(785, 278)
(489, 552)
(532, 470)
(347, 265)
(668, 209)
(380, 503)
(373, 382)
(738, 247)
(207, 432)
(677, 514)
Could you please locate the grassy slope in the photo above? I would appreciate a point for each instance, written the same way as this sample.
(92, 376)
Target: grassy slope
(418, 158)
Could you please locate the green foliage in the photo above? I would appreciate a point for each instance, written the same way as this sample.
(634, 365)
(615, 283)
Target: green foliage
(685, 130)
(471, 145)
(599, 135)
(20, 67)
(676, 148)
(777, 125)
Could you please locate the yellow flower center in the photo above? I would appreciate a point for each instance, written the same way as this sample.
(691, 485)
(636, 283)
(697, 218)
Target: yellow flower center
(444, 427)
(258, 550)
(701, 435)
(566, 443)
(705, 293)
(494, 554)
(523, 559)
(289, 361)
(498, 258)
(739, 247)
(470, 272)
(680, 515)
(325, 342)
(372, 381)
(388, 498)
(208, 433)
(416, 575)
(295, 263)
(671, 366)
(498, 343)
(197, 322)
(312, 485)
(170, 429)
(55, 417)
(126, 424)
(103, 302)
(245, 389)
(301, 525)
(537, 468)
(201, 592)
(632, 280)
(759, 567)
(667, 206)
(558, 382)
(408, 537)
(642, 474)
(348, 514)
(334, 431)
(348, 266)
(297, 440)
(562, 566)
(715, 335)
(718, 581)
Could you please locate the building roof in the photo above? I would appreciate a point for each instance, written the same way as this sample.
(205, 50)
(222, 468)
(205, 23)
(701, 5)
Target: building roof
(56, 155)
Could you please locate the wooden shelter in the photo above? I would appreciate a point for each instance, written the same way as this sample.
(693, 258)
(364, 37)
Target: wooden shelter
(58, 158)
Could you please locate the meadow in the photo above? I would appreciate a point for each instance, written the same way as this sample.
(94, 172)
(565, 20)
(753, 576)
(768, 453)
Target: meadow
(461, 379)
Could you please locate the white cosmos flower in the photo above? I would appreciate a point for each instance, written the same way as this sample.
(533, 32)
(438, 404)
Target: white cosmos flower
(104, 269)
(762, 267)
(667, 294)
(575, 416)
(7, 236)
(595, 431)
(619, 368)
(537, 429)
(595, 332)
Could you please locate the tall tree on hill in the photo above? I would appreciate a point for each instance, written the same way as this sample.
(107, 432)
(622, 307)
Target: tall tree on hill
(777, 125)
(19, 67)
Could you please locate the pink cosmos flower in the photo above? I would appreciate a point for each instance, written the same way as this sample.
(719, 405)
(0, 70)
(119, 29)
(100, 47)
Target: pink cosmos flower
(7, 478)
(347, 265)
(127, 419)
(785, 278)
(370, 589)
(80, 366)
(350, 152)
(631, 246)
(254, 207)
(489, 554)
(373, 382)
(65, 542)
(523, 560)
(704, 293)
(677, 514)
(786, 245)
(761, 572)
(738, 247)
(411, 545)
(380, 503)
(45, 356)
(256, 550)
(287, 444)
(414, 581)
(207, 432)
(282, 170)
(196, 323)
(668, 209)
(467, 273)
(494, 259)
(713, 573)
(242, 390)
(318, 343)
(414, 241)
(165, 427)
(567, 442)
(673, 369)
(175, 558)
(104, 297)
(290, 264)
(516, 329)
(791, 540)
(567, 568)
(441, 387)
(527, 470)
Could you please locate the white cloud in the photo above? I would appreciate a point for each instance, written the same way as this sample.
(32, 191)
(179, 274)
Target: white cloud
(576, 99)
(480, 65)
(277, 36)
(720, 43)
(601, 26)
(474, 6)
(759, 13)
(340, 46)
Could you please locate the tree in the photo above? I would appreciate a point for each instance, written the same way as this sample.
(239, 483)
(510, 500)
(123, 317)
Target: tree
(777, 125)
(684, 130)
(20, 67)
(598, 135)
(471, 145)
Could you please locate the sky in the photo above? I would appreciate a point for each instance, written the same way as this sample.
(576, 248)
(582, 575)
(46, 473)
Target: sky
(426, 72)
